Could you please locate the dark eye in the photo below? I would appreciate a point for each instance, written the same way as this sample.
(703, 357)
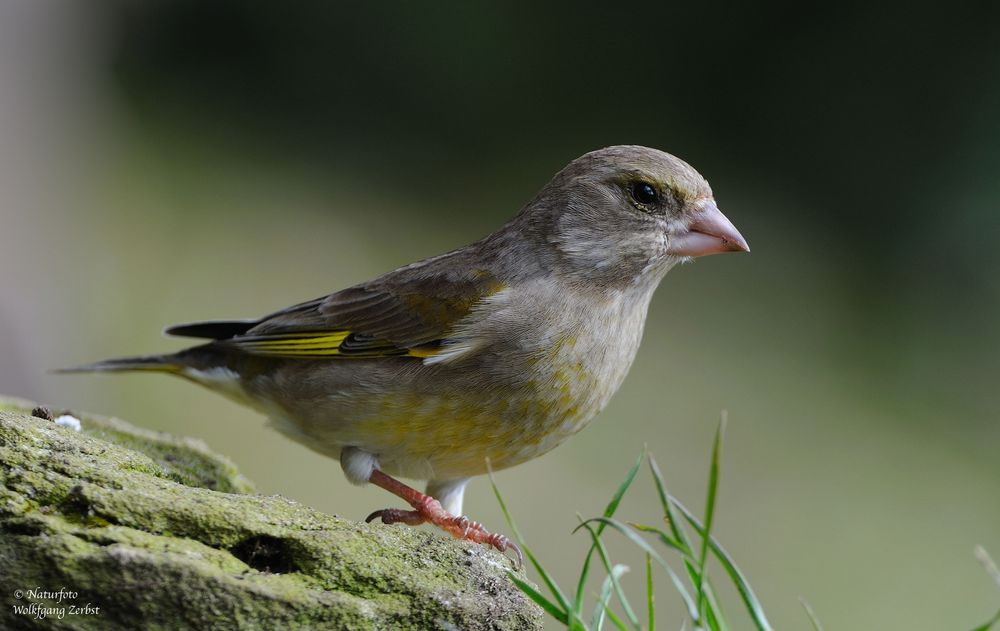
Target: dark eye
(644, 193)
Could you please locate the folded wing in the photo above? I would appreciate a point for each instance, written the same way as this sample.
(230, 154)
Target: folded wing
(396, 315)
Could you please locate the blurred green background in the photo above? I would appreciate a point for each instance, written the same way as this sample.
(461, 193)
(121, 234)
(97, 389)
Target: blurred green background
(164, 162)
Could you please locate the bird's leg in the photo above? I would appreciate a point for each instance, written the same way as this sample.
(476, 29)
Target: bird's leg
(427, 509)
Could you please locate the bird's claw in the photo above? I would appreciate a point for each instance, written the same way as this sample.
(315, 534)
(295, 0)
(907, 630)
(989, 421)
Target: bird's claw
(502, 543)
(397, 516)
(461, 527)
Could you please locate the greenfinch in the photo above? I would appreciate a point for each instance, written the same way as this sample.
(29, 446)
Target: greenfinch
(494, 353)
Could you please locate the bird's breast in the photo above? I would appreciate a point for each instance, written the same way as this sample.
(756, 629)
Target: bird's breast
(554, 366)
(587, 363)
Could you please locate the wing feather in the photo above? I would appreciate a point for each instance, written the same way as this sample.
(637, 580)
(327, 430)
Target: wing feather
(400, 314)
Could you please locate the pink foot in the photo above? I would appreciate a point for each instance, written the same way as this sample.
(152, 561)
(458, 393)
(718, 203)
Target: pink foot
(426, 509)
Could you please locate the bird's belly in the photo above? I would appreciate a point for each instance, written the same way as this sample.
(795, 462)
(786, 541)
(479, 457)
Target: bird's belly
(443, 437)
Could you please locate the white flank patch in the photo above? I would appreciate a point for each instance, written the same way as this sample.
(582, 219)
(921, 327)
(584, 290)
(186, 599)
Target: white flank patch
(69, 421)
(219, 379)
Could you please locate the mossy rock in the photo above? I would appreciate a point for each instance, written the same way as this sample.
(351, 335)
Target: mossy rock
(158, 532)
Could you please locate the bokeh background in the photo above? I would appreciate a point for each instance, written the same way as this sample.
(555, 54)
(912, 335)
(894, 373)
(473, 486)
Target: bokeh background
(164, 162)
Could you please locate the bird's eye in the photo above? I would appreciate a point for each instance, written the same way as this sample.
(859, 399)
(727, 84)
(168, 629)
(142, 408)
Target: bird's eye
(644, 193)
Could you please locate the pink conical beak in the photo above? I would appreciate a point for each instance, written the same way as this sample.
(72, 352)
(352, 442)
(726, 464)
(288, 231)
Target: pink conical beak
(709, 233)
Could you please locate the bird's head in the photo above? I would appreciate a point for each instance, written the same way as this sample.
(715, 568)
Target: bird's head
(626, 214)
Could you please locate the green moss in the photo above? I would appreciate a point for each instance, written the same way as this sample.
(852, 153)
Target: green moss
(135, 527)
(183, 460)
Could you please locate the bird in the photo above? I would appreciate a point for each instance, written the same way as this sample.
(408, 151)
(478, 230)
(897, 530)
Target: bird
(487, 356)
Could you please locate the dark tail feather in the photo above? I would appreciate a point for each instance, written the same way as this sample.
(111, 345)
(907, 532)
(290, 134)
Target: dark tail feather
(154, 363)
(218, 330)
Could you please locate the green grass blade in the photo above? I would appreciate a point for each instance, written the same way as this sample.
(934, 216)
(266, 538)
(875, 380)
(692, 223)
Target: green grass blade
(988, 564)
(650, 600)
(679, 542)
(597, 619)
(713, 486)
(550, 607)
(989, 623)
(616, 499)
(668, 510)
(582, 582)
(609, 511)
(569, 613)
(991, 568)
(634, 537)
(711, 620)
(615, 620)
(713, 608)
(688, 560)
(603, 554)
(813, 619)
(739, 580)
(692, 572)
(664, 538)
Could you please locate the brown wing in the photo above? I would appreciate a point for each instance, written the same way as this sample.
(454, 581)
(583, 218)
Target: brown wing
(399, 314)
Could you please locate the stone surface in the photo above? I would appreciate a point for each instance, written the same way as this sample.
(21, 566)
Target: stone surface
(158, 532)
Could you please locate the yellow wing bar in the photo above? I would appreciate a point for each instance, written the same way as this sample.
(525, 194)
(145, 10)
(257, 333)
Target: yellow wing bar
(294, 344)
(324, 344)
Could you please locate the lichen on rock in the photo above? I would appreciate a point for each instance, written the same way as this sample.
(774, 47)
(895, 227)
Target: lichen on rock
(158, 532)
